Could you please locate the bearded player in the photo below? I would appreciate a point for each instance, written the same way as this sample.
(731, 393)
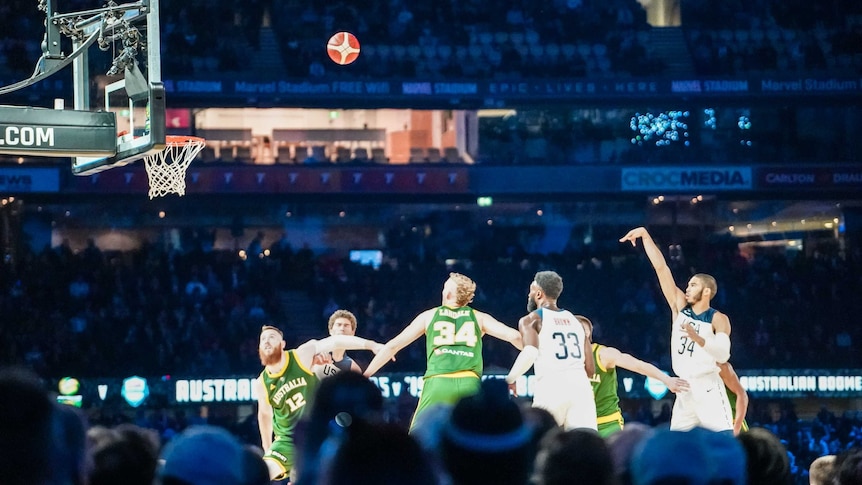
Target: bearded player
(286, 387)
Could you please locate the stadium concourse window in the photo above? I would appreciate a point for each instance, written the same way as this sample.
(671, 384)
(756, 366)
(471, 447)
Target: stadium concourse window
(670, 133)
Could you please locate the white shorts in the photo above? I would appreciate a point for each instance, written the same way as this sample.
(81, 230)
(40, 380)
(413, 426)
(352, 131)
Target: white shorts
(705, 404)
(570, 400)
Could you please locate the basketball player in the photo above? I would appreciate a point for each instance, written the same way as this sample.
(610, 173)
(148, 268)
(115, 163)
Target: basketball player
(736, 395)
(341, 322)
(556, 343)
(604, 381)
(285, 388)
(700, 341)
(453, 345)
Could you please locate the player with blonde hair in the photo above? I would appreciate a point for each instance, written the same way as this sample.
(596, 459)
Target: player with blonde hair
(453, 344)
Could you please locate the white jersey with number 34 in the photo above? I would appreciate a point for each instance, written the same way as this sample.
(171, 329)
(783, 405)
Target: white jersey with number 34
(561, 343)
(690, 360)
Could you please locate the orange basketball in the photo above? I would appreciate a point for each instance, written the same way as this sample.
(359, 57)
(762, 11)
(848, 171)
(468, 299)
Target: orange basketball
(343, 48)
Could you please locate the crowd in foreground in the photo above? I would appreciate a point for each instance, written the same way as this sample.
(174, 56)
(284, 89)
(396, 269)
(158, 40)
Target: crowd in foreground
(485, 438)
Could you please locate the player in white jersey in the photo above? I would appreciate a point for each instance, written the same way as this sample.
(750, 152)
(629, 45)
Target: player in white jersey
(699, 341)
(557, 345)
(341, 322)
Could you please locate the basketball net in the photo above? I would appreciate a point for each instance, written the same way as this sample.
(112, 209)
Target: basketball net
(167, 168)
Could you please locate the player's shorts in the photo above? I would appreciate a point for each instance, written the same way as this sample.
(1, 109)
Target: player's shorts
(446, 389)
(281, 453)
(570, 401)
(610, 424)
(705, 404)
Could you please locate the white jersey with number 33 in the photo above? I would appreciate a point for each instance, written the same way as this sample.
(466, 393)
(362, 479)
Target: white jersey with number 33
(561, 343)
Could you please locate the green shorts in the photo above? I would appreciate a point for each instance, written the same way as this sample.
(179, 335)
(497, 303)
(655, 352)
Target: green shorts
(445, 389)
(608, 425)
(281, 453)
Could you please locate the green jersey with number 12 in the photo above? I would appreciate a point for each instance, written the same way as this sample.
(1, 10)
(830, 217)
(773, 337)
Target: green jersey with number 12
(289, 392)
(453, 342)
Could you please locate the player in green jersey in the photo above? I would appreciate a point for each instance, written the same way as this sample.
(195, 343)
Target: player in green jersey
(286, 387)
(736, 395)
(608, 412)
(453, 335)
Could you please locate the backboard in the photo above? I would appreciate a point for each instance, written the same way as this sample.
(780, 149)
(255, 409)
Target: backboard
(131, 88)
(117, 91)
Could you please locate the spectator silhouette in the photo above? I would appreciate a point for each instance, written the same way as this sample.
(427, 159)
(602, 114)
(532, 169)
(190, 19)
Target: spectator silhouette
(26, 414)
(487, 440)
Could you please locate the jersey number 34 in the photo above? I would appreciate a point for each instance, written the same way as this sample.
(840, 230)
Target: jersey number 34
(446, 335)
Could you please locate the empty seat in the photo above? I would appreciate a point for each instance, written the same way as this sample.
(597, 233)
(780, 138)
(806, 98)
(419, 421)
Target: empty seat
(417, 155)
(451, 155)
(434, 155)
(360, 155)
(243, 154)
(378, 155)
(342, 154)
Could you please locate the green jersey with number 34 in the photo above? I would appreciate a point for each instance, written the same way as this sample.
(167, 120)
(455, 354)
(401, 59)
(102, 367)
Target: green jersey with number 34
(453, 342)
(289, 392)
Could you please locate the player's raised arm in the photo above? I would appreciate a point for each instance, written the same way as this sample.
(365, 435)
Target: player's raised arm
(675, 297)
(612, 357)
(306, 352)
(264, 416)
(500, 330)
(731, 380)
(413, 331)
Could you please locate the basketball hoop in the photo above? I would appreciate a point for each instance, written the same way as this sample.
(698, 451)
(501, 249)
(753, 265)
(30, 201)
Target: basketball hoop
(167, 168)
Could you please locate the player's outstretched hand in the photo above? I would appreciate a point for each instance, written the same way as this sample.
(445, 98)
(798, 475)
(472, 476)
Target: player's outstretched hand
(513, 388)
(322, 359)
(676, 385)
(737, 426)
(633, 235)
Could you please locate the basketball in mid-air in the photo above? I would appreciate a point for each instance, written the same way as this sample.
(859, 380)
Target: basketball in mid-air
(343, 48)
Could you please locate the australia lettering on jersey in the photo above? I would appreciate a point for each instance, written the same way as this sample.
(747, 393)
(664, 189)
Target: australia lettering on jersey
(597, 378)
(445, 312)
(283, 390)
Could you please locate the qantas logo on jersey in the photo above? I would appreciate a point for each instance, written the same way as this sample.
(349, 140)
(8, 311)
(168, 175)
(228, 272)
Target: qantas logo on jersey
(283, 390)
(459, 353)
